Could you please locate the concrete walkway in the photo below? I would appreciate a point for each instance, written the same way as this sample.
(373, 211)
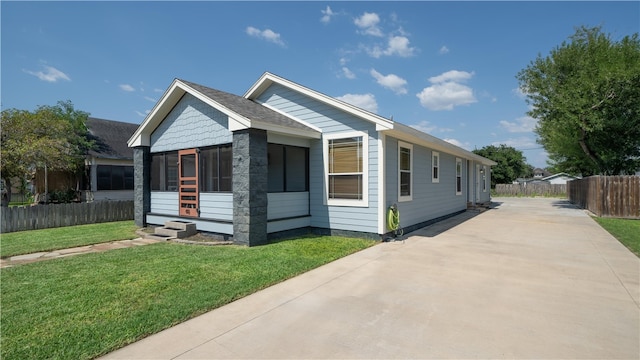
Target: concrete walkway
(531, 278)
(48, 255)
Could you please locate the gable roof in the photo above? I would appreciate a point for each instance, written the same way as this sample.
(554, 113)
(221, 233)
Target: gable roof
(267, 79)
(243, 113)
(396, 129)
(110, 138)
(561, 174)
(246, 112)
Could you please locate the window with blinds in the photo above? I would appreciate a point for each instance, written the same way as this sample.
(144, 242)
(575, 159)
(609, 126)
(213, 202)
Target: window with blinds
(404, 172)
(458, 176)
(435, 173)
(346, 172)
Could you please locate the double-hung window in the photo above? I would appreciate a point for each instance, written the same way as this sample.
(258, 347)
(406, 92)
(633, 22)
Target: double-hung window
(435, 167)
(484, 178)
(346, 169)
(458, 176)
(405, 175)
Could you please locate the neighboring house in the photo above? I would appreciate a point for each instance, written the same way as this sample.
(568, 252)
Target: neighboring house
(110, 164)
(559, 178)
(108, 171)
(286, 158)
(548, 178)
(540, 173)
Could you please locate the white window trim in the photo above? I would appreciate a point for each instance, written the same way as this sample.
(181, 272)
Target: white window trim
(365, 169)
(410, 196)
(458, 161)
(434, 179)
(485, 177)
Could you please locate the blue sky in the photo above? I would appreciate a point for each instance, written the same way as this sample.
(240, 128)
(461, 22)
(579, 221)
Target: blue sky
(447, 68)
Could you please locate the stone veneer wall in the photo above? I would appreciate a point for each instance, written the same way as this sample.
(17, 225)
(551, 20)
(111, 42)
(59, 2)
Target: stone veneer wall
(141, 184)
(250, 187)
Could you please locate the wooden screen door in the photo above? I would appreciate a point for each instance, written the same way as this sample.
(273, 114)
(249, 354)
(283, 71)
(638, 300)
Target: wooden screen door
(188, 183)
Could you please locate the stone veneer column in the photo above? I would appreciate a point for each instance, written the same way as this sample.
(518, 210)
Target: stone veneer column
(141, 184)
(250, 187)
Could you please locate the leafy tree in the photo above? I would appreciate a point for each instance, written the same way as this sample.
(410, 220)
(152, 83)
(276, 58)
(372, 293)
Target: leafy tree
(51, 136)
(586, 97)
(511, 163)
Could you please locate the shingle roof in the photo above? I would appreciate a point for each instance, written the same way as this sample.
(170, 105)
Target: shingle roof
(247, 108)
(110, 138)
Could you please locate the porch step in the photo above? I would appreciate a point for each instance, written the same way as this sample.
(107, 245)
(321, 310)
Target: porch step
(158, 237)
(173, 230)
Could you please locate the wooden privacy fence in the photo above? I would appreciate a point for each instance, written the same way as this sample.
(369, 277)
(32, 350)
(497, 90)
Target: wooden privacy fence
(531, 189)
(22, 218)
(607, 196)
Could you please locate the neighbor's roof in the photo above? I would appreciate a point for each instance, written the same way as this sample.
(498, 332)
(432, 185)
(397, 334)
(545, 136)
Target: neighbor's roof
(110, 138)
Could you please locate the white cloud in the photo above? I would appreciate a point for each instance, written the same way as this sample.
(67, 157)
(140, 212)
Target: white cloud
(397, 45)
(127, 87)
(443, 50)
(267, 34)
(523, 142)
(348, 73)
(522, 124)
(148, 98)
(447, 91)
(326, 15)
(452, 75)
(519, 92)
(364, 101)
(392, 82)
(158, 90)
(427, 127)
(368, 24)
(50, 74)
(458, 143)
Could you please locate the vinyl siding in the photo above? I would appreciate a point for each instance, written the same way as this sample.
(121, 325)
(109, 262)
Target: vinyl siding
(217, 206)
(110, 195)
(430, 200)
(330, 120)
(288, 224)
(287, 204)
(191, 123)
(164, 202)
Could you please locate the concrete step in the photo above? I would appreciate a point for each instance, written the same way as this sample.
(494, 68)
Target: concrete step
(158, 237)
(170, 232)
(175, 229)
(187, 226)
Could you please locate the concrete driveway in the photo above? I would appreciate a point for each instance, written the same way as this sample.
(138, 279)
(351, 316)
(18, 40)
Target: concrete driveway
(531, 278)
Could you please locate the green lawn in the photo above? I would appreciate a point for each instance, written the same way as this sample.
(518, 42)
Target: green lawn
(88, 305)
(25, 242)
(626, 231)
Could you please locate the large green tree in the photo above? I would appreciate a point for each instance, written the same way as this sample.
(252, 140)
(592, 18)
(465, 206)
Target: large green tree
(586, 97)
(51, 136)
(511, 163)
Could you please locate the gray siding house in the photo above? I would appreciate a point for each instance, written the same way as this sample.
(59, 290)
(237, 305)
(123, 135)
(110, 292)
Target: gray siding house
(285, 158)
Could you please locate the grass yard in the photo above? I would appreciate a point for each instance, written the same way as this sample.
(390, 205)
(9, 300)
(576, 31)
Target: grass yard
(25, 242)
(626, 231)
(85, 306)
